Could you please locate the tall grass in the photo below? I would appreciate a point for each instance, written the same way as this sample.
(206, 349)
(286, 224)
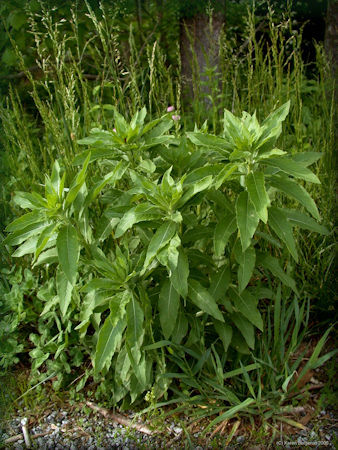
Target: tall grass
(77, 79)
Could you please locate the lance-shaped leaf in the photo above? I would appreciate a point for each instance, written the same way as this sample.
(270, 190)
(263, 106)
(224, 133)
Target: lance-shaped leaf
(168, 306)
(194, 189)
(245, 327)
(17, 237)
(307, 158)
(64, 290)
(257, 194)
(139, 213)
(77, 182)
(213, 142)
(282, 227)
(135, 318)
(293, 168)
(219, 282)
(296, 191)
(296, 218)
(161, 238)
(110, 336)
(29, 200)
(179, 276)
(111, 177)
(247, 219)
(270, 263)
(224, 331)
(26, 220)
(224, 174)
(202, 298)
(223, 230)
(29, 246)
(246, 261)
(246, 304)
(68, 251)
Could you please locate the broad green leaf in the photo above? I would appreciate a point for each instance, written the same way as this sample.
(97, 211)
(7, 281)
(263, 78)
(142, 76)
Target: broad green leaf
(47, 234)
(273, 152)
(219, 282)
(168, 306)
(181, 328)
(257, 194)
(105, 227)
(307, 158)
(77, 182)
(99, 283)
(47, 257)
(293, 168)
(296, 218)
(111, 177)
(245, 327)
(223, 230)
(157, 130)
(224, 174)
(224, 331)
(202, 172)
(29, 200)
(210, 141)
(161, 238)
(203, 299)
(68, 251)
(295, 190)
(197, 187)
(51, 194)
(17, 237)
(139, 213)
(271, 128)
(64, 290)
(179, 276)
(25, 220)
(246, 304)
(108, 339)
(272, 264)
(97, 153)
(196, 233)
(246, 261)
(29, 246)
(277, 116)
(135, 319)
(247, 219)
(282, 227)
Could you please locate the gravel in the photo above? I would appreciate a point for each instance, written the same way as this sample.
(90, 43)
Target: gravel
(78, 430)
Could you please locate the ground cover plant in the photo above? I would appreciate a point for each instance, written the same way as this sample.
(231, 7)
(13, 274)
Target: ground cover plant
(161, 252)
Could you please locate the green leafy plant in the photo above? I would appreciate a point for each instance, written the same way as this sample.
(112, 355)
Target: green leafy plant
(166, 250)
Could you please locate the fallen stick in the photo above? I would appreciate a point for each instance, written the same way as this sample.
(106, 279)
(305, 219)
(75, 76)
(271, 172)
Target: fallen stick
(17, 437)
(119, 419)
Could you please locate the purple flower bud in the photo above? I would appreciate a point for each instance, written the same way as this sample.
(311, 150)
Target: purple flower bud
(170, 109)
(176, 117)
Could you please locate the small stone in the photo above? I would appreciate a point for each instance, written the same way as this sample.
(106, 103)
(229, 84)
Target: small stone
(240, 439)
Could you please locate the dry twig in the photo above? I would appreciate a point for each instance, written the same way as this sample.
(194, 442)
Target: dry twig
(120, 419)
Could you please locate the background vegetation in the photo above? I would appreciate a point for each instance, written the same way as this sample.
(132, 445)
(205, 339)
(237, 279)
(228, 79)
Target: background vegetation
(63, 74)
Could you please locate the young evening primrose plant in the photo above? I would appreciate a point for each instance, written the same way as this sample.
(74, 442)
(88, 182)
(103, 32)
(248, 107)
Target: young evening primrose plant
(172, 242)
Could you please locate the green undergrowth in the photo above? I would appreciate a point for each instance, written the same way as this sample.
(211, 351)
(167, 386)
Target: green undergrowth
(133, 207)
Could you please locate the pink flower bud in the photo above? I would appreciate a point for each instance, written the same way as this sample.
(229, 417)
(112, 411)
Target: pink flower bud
(170, 109)
(114, 129)
(176, 117)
